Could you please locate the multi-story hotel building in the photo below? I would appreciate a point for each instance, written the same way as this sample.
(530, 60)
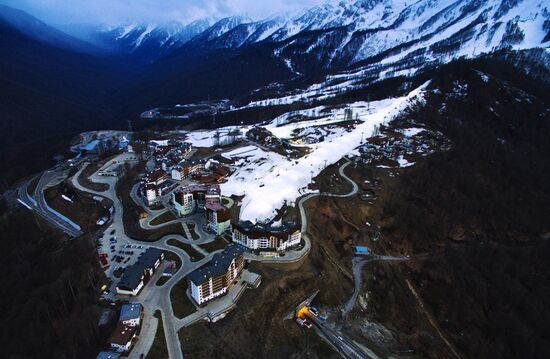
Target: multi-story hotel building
(203, 198)
(267, 237)
(216, 278)
(152, 185)
(217, 216)
(187, 168)
(190, 199)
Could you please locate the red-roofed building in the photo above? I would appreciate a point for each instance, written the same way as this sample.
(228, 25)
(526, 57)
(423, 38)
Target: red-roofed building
(122, 338)
(152, 185)
(104, 260)
(217, 216)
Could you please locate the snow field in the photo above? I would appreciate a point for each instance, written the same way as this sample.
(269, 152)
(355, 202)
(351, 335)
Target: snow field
(267, 180)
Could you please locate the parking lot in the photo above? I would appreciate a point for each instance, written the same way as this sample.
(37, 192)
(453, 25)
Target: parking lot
(121, 254)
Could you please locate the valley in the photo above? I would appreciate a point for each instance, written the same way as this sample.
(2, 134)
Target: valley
(332, 225)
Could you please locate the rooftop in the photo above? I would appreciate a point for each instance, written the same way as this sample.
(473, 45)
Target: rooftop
(108, 355)
(132, 277)
(122, 334)
(214, 189)
(361, 249)
(186, 162)
(193, 188)
(148, 258)
(214, 205)
(217, 266)
(155, 175)
(133, 274)
(281, 228)
(130, 311)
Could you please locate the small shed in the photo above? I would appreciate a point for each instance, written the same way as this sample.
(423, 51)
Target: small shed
(361, 250)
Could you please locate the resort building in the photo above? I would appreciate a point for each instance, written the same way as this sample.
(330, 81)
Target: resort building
(261, 135)
(203, 198)
(130, 314)
(218, 276)
(153, 186)
(136, 276)
(266, 237)
(217, 216)
(186, 168)
(190, 199)
(122, 338)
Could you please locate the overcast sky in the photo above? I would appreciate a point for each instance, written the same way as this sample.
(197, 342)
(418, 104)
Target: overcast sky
(156, 11)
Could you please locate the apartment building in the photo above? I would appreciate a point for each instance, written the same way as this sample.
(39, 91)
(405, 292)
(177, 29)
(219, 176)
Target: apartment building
(137, 275)
(266, 237)
(218, 276)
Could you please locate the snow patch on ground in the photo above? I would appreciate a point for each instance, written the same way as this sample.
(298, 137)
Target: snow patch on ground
(66, 198)
(160, 142)
(267, 180)
(403, 162)
(409, 132)
(282, 129)
(208, 138)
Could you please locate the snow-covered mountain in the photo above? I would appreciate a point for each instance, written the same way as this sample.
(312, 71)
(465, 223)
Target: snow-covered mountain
(360, 42)
(338, 35)
(42, 32)
(242, 34)
(147, 41)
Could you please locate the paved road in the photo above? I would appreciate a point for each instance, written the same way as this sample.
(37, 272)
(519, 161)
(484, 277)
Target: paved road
(299, 254)
(345, 346)
(158, 297)
(358, 264)
(37, 202)
(152, 297)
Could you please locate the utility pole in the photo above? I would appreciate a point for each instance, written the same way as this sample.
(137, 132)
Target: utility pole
(368, 101)
(362, 133)
(130, 130)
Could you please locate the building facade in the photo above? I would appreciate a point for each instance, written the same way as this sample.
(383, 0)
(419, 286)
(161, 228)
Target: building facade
(186, 168)
(217, 216)
(203, 198)
(152, 186)
(130, 314)
(122, 338)
(190, 199)
(137, 275)
(216, 278)
(262, 237)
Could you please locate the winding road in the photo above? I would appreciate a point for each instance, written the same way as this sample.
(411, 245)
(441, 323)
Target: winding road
(155, 297)
(303, 216)
(152, 297)
(37, 202)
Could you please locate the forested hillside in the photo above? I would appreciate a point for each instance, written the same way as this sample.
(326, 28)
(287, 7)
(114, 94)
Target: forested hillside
(478, 212)
(50, 289)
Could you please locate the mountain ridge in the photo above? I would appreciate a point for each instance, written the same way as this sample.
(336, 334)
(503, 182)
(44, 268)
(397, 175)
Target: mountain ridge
(350, 32)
